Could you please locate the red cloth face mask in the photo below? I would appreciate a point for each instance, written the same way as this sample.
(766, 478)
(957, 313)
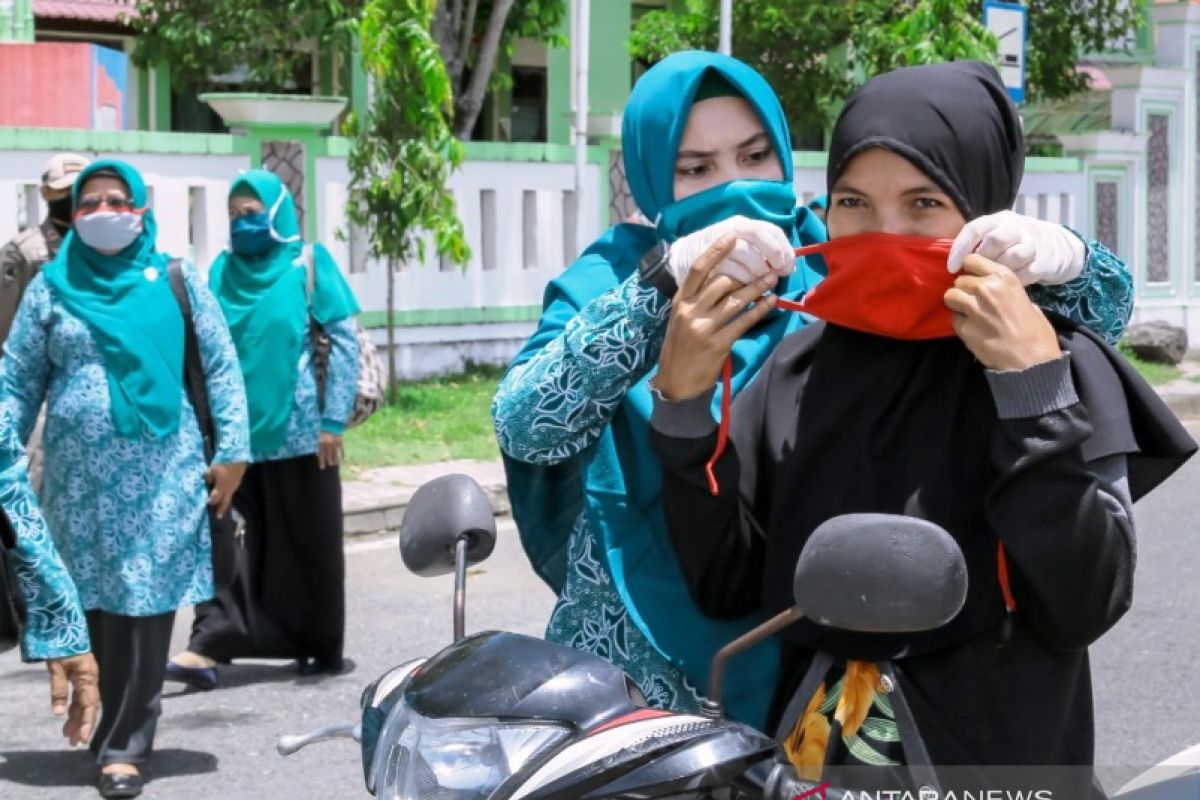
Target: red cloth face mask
(883, 284)
(877, 283)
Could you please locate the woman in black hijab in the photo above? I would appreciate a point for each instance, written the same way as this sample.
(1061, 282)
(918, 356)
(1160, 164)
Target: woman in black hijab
(953, 399)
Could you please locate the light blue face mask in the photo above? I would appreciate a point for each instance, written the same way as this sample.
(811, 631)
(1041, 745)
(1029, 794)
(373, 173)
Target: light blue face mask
(770, 201)
(108, 231)
(255, 234)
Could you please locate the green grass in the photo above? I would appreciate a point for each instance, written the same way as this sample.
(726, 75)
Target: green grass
(432, 420)
(1155, 374)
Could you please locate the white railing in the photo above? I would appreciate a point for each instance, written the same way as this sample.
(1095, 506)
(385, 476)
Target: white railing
(519, 223)
(518, 219)
(187, 192)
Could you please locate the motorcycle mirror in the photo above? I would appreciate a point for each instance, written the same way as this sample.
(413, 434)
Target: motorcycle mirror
(880, 573)
(441, 513)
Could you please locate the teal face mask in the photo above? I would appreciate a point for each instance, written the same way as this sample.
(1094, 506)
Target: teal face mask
(770, 201)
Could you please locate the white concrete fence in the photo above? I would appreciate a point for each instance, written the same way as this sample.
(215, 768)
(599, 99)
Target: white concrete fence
(1134, 188)
(517, 217)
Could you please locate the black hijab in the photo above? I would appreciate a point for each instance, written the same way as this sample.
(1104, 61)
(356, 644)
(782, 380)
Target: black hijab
(954, 122)
(905, 427)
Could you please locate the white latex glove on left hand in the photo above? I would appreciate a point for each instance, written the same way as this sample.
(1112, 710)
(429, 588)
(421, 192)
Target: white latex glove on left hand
(1036, 251)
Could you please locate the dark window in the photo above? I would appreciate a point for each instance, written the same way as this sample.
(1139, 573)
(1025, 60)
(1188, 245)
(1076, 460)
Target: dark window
(528, 104)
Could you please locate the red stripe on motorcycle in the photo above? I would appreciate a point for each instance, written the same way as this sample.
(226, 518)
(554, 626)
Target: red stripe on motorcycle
(636, 716)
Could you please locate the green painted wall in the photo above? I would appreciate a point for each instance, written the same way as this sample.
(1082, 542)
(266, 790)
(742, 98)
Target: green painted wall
(16, 22)
(558, 91)
(609, 69)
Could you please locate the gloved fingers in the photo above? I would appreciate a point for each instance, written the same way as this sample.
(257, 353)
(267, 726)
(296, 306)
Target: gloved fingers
(770, 241)
(1000, 227)
(749, 258)
(967, 240)
(1017, 256)
(1005, 235)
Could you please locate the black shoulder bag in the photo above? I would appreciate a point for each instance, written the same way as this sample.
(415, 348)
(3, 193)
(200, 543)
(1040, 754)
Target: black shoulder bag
(12, 603)
(197, 392)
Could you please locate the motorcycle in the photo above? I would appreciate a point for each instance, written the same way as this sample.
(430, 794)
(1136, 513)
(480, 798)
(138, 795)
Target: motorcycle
(503, 716)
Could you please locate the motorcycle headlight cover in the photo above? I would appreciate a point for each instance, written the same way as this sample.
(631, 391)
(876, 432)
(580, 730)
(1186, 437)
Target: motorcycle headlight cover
(421, 758)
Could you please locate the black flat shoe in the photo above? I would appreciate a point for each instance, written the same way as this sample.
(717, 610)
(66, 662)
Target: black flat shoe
(203, 678)
(120, 784)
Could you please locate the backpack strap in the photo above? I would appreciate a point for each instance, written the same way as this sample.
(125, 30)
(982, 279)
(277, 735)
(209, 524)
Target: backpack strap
(193, 368)
(310, 273)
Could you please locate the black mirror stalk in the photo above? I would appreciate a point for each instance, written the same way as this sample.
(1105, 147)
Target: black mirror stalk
(711, 707)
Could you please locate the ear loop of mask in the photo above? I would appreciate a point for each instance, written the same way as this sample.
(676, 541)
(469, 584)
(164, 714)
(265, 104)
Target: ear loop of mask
(271, 221)
(714, 487)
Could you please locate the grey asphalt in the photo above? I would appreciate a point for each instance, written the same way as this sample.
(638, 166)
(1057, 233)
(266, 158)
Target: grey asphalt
(221, 744)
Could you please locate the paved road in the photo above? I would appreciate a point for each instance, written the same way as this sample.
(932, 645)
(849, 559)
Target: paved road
(220, 744)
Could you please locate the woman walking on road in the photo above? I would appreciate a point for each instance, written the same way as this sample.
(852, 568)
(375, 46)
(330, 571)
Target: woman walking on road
(99, 336)
(287, 599)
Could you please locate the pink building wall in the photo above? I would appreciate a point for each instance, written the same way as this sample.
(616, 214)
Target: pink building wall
(59, 85)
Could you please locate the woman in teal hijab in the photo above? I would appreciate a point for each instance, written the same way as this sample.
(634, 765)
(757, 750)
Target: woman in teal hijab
(706, 151)
(99, 337)
(291, 498)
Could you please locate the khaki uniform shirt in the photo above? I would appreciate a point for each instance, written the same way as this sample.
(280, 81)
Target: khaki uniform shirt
(20, 260)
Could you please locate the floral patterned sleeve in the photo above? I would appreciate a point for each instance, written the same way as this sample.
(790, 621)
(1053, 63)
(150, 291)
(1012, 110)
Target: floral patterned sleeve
(553, 405)
(341, 383)
(25, 367)
(222, 372)
(1100, 298)
(55, 625)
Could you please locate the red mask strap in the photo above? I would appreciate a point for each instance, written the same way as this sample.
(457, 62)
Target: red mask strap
(727, 384)
(722, 427)
(1002, 574)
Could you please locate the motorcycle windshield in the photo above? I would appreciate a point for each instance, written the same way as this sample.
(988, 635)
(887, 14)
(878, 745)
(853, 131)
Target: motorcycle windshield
(423, 758)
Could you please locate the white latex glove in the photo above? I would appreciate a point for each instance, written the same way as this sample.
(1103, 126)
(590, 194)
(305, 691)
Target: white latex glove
(761, 248)
(1036, 251)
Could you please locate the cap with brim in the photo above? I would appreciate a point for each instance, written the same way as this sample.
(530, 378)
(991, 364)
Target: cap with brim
(60, 171)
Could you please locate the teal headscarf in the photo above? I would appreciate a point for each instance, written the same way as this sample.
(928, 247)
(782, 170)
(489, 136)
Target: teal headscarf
(618, 481)
(263, 299)
(125, 301)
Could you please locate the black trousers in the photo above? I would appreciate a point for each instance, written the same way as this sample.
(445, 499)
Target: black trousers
(280, 592)
(132, 654)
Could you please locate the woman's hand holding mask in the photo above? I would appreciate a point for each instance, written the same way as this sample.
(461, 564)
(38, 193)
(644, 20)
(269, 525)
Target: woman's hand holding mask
(1037, 251)
(710, 312)
(761, 248)
(996, 319)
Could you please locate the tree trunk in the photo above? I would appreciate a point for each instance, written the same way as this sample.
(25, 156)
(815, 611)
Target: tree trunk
(471, 99)
(391, 328)
(446, 34)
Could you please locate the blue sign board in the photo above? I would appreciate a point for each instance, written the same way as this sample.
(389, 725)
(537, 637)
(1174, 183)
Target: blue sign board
(1009, 23)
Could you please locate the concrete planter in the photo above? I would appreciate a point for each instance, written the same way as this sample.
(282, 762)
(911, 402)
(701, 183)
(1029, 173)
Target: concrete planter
(243, 110)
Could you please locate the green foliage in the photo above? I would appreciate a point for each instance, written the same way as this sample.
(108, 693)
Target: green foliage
(403, 149)
(273, 40)
(815, 53)
(1060, 33)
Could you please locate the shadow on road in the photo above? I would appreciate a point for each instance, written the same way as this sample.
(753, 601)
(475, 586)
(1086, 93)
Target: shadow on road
(78, 768)
(234, 676)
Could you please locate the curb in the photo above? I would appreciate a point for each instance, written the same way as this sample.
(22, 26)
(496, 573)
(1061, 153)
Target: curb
(1185, 405)
(385, 516)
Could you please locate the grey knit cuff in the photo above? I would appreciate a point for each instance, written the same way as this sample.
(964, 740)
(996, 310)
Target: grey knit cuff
(1034, 391)
(683, 419)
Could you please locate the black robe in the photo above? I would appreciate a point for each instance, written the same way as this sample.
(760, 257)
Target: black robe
(839, 422)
